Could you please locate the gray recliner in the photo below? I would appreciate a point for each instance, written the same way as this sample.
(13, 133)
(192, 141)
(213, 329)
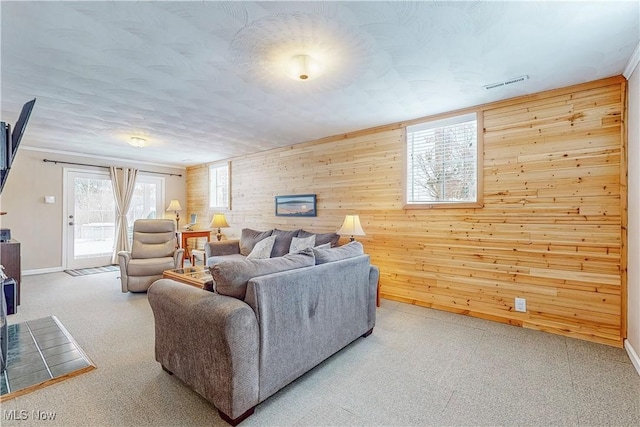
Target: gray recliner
(153, 251)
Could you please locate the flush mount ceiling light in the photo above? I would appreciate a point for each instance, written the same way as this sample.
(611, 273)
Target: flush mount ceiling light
(138, 141)
(304, 68)
(271, 51)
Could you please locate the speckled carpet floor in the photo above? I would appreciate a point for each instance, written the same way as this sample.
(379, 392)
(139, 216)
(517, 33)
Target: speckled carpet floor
(420, 367)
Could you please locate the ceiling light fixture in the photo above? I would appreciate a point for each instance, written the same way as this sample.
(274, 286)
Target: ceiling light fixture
(137, 141)
(304, 67)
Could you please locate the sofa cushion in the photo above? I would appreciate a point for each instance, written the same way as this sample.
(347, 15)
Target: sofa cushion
(231, 277)
(300, 243)
(149, 266)
(249, 238)
(283, 241)
(322, 238)
(262, 249)
(350, 250)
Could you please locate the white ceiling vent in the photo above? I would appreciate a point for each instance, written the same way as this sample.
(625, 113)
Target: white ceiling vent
(506, 82)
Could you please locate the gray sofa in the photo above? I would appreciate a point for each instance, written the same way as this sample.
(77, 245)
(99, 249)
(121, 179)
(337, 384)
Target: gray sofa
(238, 249)
(254, 335)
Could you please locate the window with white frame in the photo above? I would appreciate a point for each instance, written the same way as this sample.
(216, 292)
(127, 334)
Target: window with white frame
(219, 186)
(147, 200)
(442, 162)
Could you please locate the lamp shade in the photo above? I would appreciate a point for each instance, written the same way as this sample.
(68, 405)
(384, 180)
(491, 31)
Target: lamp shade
(219, 221)
(174, 206)
(351, 226)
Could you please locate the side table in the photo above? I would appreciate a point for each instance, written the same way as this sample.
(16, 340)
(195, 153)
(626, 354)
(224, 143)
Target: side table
(194, 276)
(185, 235)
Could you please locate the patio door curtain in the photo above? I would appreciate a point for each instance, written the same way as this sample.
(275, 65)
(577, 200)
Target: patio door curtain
(123, 185)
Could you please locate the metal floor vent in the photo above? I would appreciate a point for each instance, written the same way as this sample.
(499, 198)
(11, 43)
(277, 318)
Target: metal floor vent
(506, 82)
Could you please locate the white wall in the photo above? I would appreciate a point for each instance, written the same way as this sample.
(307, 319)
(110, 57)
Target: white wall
(39, 226)
(633, 283)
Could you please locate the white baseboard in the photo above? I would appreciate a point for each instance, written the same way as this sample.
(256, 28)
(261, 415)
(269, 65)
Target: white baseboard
(632, 355)
(42, 271)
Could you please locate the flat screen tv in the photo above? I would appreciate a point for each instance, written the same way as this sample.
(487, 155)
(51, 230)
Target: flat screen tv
(10, 141)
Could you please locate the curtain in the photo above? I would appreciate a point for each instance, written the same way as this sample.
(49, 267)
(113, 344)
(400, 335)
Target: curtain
(123, 185)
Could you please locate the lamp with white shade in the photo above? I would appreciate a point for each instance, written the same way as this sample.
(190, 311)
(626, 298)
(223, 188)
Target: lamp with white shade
(175, 207)
(219, 221)
(351, 226)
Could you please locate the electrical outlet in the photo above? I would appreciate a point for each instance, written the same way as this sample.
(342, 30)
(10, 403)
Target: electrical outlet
(521, 304)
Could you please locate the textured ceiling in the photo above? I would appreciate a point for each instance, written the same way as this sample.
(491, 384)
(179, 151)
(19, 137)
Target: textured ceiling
(204, 81)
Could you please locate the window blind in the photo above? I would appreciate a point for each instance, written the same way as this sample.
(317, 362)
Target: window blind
(442, 160)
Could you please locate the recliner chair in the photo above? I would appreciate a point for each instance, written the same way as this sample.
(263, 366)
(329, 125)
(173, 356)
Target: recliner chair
(154, 250)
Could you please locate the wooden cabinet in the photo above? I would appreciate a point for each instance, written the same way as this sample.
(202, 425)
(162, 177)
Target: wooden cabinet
(10, 259)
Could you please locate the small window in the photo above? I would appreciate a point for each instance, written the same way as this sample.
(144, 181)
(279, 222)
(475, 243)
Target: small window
(219, 186)
(442, 163)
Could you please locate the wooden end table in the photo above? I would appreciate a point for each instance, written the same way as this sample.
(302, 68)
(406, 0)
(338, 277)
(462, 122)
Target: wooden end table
(187, 234)
(194, 276)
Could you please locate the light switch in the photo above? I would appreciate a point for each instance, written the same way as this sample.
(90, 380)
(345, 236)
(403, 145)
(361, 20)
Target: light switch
(49, 199)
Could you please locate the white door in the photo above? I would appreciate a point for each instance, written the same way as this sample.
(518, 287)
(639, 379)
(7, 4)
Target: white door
(90, 219)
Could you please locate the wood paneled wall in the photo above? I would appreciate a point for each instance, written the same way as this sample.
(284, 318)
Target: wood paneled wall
(551, 229)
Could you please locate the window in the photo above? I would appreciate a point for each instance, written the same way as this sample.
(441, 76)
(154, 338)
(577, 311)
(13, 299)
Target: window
(219, 186)
(442, 162)
(146, 202)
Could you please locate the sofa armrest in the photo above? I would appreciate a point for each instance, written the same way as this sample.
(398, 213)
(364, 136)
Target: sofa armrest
(224, 247)
(209, 341)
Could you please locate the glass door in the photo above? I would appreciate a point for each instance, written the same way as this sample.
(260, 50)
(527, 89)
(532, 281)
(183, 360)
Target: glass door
(147, 201)
(90, 219)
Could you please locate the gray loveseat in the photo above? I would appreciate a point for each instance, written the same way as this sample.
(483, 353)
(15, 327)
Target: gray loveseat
(254, 335)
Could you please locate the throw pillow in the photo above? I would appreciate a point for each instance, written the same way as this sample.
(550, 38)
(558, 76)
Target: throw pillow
(283, 242)
(249, 238)
(350, 250)
(322, 238)
(231, 277)
(323, 246)
(262, 249)
(300, 243)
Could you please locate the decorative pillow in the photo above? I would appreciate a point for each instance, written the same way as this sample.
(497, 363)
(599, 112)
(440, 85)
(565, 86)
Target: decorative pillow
(350, 250)
(249, 238)
(262, 249)
(283, 242)
(231, 277)
(321, 238)
(323, 246)
(300, 243)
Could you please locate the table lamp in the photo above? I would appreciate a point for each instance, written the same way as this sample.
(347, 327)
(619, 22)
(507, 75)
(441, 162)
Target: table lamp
(175, 206)
(219, 221)
(351, 226)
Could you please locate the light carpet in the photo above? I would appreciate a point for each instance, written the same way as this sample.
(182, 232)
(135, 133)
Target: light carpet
(420, 367)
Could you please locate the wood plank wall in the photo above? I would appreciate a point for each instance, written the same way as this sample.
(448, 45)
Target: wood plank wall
(550, 230)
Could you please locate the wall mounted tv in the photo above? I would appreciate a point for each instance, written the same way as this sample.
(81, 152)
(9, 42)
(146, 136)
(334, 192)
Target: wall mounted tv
(10, 141)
